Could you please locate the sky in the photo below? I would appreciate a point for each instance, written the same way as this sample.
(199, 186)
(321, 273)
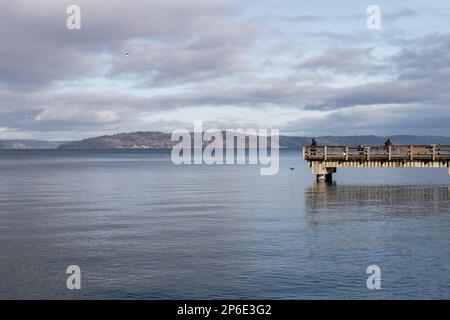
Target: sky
(304, 67)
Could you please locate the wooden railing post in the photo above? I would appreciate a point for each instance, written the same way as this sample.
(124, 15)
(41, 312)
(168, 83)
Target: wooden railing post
(411, 153)
(389, 153)
(434, 153)
(368, 153)
(346, 153)
(325, 155)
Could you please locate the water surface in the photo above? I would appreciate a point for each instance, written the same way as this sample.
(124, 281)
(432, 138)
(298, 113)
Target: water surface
(141, 227)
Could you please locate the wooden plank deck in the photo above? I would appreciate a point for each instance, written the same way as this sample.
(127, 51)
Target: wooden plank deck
(324, 160)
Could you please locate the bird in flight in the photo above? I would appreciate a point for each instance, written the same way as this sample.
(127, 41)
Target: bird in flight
(292, 169)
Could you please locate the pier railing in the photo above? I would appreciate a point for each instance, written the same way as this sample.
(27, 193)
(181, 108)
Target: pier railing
(377, 153)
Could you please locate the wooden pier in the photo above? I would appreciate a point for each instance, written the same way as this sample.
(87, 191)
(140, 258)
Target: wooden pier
(324, 160)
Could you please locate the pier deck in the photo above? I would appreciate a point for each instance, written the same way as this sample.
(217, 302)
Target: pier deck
(324, 160)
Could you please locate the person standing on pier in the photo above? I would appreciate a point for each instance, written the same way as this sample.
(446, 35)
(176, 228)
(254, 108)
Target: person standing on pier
(313, 144)
(387, 145)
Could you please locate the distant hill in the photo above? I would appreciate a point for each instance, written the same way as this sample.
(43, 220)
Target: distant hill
(160, 140)
(134, 140)
(29, 144)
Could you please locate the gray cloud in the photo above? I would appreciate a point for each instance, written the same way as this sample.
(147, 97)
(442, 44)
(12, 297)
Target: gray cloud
(331, 35)
(304, 18)
(187, 61)
(346, 60)
(389, 16)
(422, 77)
(39, 50)
(425, 58)
(376, 120)
(399, 14)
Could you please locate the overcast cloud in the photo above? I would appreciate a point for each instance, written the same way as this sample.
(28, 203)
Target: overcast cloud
(313, 68)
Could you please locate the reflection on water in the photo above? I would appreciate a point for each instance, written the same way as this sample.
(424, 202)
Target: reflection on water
(392, 201)
(403, 229)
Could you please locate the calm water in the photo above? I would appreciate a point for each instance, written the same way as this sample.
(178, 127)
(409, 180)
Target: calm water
(141, 227)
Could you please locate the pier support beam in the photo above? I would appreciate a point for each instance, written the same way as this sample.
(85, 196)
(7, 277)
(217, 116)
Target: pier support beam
(324, 177)
(322, 172)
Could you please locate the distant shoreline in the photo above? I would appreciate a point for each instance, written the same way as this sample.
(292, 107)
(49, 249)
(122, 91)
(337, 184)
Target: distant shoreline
(158, 141)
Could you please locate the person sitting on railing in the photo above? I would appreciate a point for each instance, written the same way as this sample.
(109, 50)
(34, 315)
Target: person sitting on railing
(388, 143)
(361, 150)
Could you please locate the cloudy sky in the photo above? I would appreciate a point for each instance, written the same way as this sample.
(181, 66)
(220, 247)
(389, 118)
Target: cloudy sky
(304, 67)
